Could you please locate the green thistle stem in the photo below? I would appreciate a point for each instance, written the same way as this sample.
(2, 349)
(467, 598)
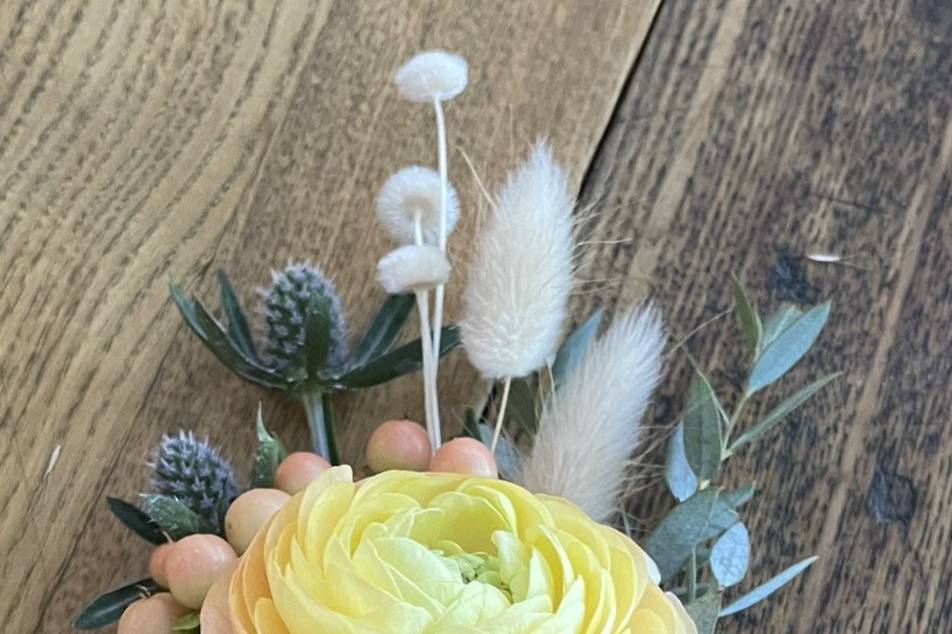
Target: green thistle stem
(321, 435)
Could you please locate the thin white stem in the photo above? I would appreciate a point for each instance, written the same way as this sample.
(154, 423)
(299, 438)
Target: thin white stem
(438, 300)
(500, 417)
(431, 406)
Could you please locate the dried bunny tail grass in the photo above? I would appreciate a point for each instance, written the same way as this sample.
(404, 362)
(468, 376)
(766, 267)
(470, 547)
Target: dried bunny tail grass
(521, 274)
(590, 429)
(412, 268)
(414, 192)
(432, 75)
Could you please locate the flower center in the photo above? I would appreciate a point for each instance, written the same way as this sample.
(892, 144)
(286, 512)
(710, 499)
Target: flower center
(481, 567)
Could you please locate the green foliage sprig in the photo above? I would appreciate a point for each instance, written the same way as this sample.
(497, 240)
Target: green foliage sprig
(702, 542)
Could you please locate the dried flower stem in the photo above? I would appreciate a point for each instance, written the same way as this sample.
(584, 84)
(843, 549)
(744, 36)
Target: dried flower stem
(500, 417)
(431, 406)
(435, 439)
(314, 406)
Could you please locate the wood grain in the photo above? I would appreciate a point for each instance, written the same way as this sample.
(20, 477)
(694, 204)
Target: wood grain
(141, 141)
(751, 134)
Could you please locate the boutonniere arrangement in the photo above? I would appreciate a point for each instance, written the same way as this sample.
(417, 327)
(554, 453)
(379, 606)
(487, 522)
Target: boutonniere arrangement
(515, 525)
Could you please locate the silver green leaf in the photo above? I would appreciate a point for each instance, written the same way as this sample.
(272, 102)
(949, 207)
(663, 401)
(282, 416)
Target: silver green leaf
(763, 591)
(677, 472)
(507, 456)
(779, 321)
(269, 454)
(176, 519)
(704, 515)
(730, 555)
(747, 317)
(702, 429)
(704, 611)
(572, 352)
(778, 413)
(788, 348)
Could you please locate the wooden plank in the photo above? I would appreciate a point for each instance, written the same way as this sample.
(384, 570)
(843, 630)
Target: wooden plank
(170, 139)
(751, 134)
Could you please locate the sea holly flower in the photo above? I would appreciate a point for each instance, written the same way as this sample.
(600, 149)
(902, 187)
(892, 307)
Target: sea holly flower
(427, 552)
(301, 347)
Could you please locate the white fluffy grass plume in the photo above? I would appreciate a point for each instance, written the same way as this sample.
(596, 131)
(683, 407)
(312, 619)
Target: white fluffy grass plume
(590, 429)
(412, 268)
(411, 192)
(432, 75)
(521, 273)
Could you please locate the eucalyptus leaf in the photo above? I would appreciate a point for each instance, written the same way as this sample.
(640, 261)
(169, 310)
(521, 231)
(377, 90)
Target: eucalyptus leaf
(508, 460)
(778, 413)
(788, 348)
(747, 317)
(702, 429)
(317, 335)
(269, 454)
(173, 516)
(677, 472)
(730, 555)
(238, 329)
(406, 359)
(214, 336)
(763, 591)
(187, 623)
(779, 321)
(106, 609)
(739, 497)
(704, 611)
(385, 328)
(573, 350)
(136, 521)
(704, 515)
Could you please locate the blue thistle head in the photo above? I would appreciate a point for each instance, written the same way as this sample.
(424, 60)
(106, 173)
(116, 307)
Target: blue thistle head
(194, 472)
(283, 310)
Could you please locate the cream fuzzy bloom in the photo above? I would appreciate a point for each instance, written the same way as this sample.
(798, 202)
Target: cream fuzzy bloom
(521, 273)
(589, 430)
(413, 191)
(432, 75)
(428, 553)
(412, 268)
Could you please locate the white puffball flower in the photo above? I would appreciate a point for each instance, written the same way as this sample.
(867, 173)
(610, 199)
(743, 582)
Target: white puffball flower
(413, 268)
(413, 191)
(432, 75)
(519, 280)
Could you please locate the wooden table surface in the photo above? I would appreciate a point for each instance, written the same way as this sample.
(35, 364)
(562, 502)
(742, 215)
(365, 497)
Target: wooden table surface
(146, 140)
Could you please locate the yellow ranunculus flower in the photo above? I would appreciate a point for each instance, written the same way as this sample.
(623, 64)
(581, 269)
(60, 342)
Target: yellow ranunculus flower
(408, 553)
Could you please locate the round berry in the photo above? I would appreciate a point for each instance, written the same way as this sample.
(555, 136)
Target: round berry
(249, 513)
(155, 615)
(157, 564)
(465, 455)
(215, 617)
(399, 444)
(298, 470)
(194, 564)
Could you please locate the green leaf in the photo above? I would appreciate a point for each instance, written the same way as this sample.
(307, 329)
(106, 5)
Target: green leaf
(763, 591)
(521, 407)
(238, 329)
(187, 309)
(327, 407)
(106, 609)
(317, 335)
(778, 413)
(136, 521)
(385, 328)
(173, 516)
(779, 321)
(704, 611)
(507, 456)
(214, 336)
(739, 497)
(677, 472)
(702, 429)
(187, 623)
(406, 359)
(747, 317)
(575, 346)
(788, 348)
(471, 424)
(730, 555)
(269, 454)
(704, 515)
